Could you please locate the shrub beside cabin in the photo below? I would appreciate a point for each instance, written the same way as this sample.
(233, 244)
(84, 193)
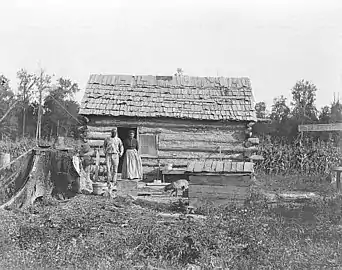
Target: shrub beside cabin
(177, 119)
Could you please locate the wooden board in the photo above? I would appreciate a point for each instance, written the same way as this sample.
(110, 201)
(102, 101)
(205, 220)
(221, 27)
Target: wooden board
(320, 127)
(214, 165)
(220, 180)
(173, 171)
(240, 167)
(191, 166)
(207, 165)
(198, 167)
(248, 167)
(219, 166)
(227, 166)
(234, 167)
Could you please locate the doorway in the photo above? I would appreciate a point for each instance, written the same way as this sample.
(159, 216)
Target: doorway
(123, 134)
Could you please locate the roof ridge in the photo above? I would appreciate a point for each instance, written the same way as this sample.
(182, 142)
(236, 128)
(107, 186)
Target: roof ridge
(184, 76)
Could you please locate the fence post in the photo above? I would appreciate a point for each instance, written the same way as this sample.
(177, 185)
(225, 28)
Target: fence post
(338, 171)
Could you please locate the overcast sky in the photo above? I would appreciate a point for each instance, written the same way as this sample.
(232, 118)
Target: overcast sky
(274, 43)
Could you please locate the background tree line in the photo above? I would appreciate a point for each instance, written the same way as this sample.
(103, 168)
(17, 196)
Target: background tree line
(284, 117)
(19, 107)
(60, 110)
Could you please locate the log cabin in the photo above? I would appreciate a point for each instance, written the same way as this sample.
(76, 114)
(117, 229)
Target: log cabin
(177, 119)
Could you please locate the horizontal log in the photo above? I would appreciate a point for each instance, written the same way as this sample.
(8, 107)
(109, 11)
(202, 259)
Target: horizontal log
(254, 141)
(210, 136)
(189, 148)
(173, 129)
(205, 145)
(178, 162)
(95, 143)
(195, 155)
(191, 129)
(96, 135)
(162, 155)
(227, 149)
(187, 155)
(157, 122)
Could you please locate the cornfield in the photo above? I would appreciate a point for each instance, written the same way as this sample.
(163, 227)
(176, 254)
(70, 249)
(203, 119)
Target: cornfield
(307, 157)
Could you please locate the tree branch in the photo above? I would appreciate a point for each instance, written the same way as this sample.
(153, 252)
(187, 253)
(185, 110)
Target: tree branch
(12, 106)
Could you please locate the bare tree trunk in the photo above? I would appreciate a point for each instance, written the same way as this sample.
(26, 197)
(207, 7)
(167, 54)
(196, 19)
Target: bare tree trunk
(24, 111)
(39, 121)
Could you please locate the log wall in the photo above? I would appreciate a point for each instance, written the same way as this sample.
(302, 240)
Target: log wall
(179, 141)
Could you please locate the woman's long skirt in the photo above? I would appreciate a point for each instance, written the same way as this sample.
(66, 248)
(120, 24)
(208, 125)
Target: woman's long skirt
(132, 165)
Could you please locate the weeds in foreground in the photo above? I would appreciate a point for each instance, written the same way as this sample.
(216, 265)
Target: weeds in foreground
(92, 232)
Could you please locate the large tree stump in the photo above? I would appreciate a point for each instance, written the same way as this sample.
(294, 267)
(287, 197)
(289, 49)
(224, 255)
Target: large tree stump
(35, 184)
(44, 173)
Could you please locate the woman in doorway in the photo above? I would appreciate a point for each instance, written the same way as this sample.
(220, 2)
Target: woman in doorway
(132, 165)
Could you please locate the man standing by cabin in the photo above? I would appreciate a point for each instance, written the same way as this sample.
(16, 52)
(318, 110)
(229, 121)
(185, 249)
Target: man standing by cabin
(113, 149)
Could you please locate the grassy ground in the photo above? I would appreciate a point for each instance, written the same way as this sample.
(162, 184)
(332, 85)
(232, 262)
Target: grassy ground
(92, 232)
(278, 183)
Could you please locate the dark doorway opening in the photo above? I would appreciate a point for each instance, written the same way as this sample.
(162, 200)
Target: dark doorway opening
(123, 134)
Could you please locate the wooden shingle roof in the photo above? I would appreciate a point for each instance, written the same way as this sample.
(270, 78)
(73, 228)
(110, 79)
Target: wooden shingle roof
(182, 97)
